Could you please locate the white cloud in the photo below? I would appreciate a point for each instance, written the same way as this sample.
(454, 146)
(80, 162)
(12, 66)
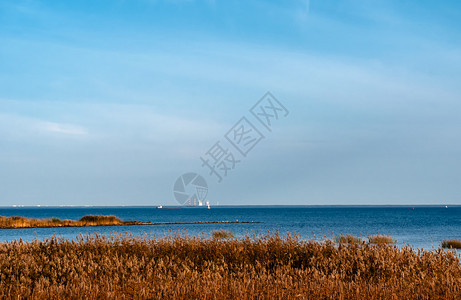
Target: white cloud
(23, 128)
(63, 128)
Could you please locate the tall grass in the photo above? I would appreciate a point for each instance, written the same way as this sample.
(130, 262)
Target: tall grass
(348, 239)
(89, 220)
(222, 234)
(254, 267)
(455, 244)
(381, 239)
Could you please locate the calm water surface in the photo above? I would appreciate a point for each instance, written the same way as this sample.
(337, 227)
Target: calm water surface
(421, 227)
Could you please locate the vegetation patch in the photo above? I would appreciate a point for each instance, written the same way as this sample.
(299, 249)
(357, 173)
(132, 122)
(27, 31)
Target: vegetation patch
(89, 220)
(253, 267)
(93, 220)
(348, 239)
(381, 239)
(222, 234)
(455, 244)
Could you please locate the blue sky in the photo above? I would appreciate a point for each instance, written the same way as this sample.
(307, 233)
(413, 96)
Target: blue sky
(108, 102)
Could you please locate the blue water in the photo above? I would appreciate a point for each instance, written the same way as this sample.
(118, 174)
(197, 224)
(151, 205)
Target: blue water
(420, 227)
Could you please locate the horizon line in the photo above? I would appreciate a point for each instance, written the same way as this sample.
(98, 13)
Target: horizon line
(232, 205)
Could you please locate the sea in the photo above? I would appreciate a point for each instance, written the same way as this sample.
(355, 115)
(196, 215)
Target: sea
(423, 227)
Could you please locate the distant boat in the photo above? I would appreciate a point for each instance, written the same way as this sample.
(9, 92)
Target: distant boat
(169, 207)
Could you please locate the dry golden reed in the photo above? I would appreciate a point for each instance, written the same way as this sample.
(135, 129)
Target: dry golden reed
(381, 239)
(222, 234)
(348, 239)
(455, 244)
(89, 220)
(254, 267)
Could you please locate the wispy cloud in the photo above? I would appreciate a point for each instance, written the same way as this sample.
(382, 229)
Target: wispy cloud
(20, 128)
(65, 129)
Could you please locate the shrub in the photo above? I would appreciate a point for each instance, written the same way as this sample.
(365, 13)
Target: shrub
(455, 244)
(94, 219)
(381, 239)
(348, 239)
(222, 234)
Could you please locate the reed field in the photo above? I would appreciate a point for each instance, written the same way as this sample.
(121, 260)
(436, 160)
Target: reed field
(254, 267)
(89, 220)
(455, 244)
(381, 239)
